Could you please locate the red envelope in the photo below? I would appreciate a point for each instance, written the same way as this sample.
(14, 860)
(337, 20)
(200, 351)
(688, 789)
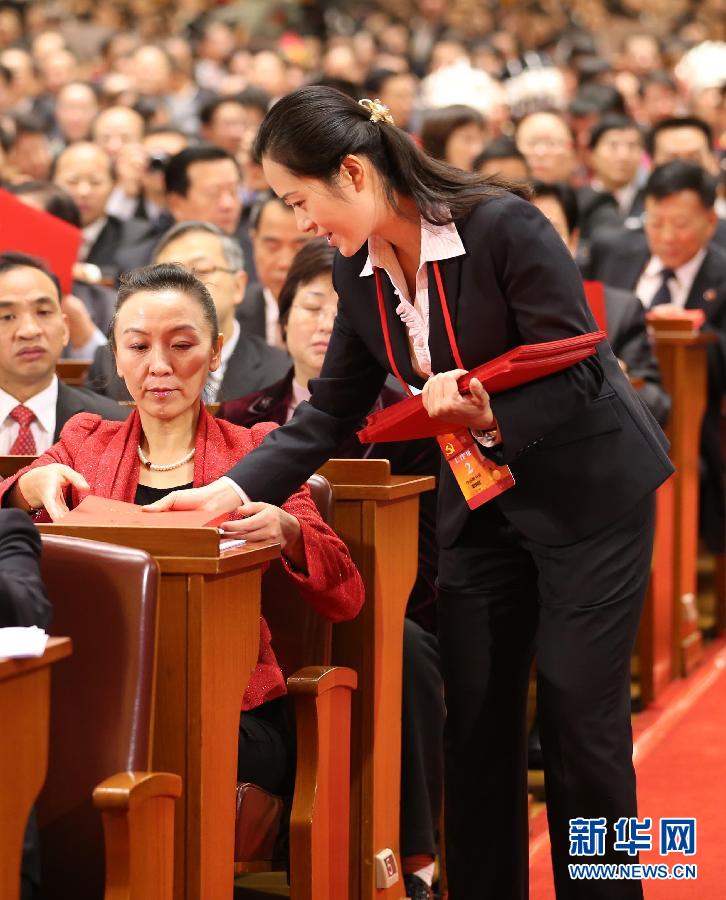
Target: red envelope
(408, 420)
(33, 231)
(102, 511)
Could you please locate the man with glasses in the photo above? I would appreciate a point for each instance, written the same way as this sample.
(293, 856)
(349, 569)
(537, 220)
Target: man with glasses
(247, 363)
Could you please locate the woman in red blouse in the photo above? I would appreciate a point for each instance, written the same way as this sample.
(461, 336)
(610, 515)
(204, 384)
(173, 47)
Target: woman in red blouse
(166, 340)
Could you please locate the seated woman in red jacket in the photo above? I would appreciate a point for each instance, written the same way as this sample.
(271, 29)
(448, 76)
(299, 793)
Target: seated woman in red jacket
(166, 340)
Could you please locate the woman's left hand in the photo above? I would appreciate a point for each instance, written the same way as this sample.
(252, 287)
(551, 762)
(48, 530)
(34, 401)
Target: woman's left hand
(265, 522)
(442, 400)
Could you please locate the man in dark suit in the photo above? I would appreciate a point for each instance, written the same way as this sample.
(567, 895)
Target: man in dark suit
(34, 403)
(675, 262)
(85, 172)
(203, 184)
(247, 363)
(625, 318)
(275, 242)
(615, 152)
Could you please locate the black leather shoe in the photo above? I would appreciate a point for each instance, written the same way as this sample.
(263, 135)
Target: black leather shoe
(416, 888)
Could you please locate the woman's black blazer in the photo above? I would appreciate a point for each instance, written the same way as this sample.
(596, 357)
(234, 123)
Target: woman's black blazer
(582, 446)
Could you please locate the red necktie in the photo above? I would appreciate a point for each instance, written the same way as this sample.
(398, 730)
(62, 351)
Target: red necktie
(25, 442)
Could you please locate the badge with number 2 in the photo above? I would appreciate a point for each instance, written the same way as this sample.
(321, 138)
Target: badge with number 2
(479, 478)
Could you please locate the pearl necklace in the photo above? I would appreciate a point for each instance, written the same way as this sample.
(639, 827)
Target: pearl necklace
(154, 468)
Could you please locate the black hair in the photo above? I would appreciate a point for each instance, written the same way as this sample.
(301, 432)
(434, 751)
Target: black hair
(176, 174)
(336, 126)
(439, 124)
(165, 277)
(661, 77)
(500, 148)
(376, 80)
(681, 175)
(314, 258)
(206, 113)
(6, 75)
(612, 123)
(597, 99)
(678, 122)
(255, 98)
(53, 198)
(563, 194)
(262, 201)
(13, 259)
(27, 123)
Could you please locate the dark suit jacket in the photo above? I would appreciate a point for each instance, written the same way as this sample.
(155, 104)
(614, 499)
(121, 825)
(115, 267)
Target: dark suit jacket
(583, 447)
(113, 237)
(628, 336)
(23, 600)
(406, 457)
(73, 400)
(619, 260)
(140, 251)
(253, 365)
(251, 311)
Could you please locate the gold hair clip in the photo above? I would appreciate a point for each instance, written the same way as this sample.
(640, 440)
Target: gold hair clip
(379, 111)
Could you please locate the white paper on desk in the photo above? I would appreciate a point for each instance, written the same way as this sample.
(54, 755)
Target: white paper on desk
(230, 543)
(19, 642)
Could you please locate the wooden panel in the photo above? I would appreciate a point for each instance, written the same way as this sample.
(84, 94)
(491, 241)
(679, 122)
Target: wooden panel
(72, 371)
(382, 538)
(682, 359)
(9, 465)
(25, 717)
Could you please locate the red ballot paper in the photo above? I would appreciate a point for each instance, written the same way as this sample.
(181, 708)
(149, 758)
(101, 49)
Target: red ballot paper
(40, 234)
(408, 420)
(101, 511)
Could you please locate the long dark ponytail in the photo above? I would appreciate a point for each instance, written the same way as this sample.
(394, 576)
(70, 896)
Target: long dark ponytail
(312, 129)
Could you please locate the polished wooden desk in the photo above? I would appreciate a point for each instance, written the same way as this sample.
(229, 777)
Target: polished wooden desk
(25, 717)
(209, 629)
(72, 371)
(682, 359)
(376, 514)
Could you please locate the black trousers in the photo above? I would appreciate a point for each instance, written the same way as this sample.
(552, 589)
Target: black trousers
(266, 747)
(503, 599)
(422, 741)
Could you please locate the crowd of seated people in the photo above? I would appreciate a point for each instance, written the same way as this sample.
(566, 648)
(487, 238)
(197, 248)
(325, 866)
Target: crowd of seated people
(137, 129)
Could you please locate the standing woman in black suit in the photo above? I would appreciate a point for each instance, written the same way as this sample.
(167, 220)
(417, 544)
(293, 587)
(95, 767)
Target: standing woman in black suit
(439, 271)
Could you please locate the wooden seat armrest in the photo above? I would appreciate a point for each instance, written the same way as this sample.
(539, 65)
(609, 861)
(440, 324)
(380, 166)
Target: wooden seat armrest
(321, 679)
(137, 809)
(125, 789)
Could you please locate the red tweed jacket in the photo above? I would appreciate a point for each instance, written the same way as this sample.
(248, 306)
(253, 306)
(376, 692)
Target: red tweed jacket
(105, 454)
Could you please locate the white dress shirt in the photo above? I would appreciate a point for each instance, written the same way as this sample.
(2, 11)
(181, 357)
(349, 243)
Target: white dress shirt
(42, 427)
(437, 242)
(214, 379)
(272, 319)
(679, 286)
(90, 236)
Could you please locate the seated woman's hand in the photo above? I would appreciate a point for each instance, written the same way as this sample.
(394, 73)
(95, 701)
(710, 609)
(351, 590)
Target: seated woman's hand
(442, 401)
(44, 487)
(265, 522)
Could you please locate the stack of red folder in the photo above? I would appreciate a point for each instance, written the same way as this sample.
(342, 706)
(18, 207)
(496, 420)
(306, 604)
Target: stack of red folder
(409, 420)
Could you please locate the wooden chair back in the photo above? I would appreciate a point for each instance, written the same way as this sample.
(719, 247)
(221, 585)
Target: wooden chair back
(300, 637)
(105, 598)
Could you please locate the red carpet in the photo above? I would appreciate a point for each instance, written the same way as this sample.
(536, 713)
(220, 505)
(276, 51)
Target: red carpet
(680, 759)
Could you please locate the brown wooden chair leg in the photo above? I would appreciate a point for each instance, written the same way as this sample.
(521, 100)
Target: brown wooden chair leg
(138, 822)
(320, 812)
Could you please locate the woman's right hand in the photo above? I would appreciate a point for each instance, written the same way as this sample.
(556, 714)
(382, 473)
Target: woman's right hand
(44, 487)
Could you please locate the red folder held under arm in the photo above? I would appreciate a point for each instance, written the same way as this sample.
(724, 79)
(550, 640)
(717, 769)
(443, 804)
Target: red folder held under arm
(408, 420)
